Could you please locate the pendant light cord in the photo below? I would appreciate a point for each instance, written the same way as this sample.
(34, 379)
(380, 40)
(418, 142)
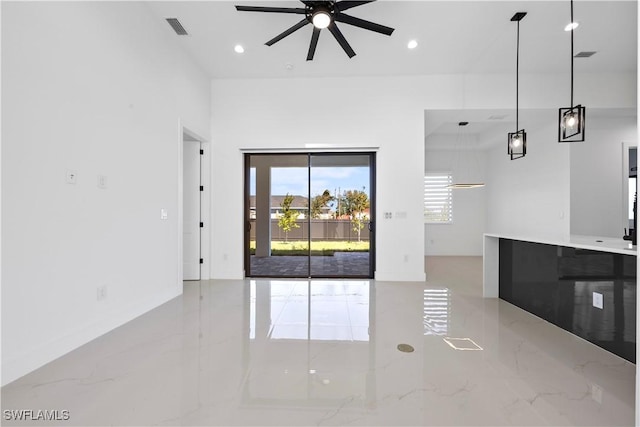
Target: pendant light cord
(518, 72)
(572, 30)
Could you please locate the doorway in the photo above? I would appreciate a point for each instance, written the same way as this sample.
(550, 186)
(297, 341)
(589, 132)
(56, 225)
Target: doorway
(310, 215)
(191, 208)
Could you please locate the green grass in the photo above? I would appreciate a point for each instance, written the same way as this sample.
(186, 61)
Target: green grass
(318, 248)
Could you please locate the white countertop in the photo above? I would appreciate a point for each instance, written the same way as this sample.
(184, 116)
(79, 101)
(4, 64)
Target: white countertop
(595, 243)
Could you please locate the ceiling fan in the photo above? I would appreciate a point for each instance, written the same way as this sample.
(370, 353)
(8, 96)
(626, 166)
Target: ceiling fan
(322, 14)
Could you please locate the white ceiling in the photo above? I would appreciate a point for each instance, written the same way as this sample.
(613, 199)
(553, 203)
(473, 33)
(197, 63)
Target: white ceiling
(454, 37)
(488, 127)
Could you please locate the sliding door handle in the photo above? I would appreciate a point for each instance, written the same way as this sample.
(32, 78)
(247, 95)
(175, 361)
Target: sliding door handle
(371, 227)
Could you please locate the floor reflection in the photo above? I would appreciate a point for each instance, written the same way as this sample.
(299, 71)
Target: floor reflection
(436, 311)
(310, 343)
(310, 310)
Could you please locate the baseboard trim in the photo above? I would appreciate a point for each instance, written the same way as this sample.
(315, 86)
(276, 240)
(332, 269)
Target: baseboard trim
(21, 365)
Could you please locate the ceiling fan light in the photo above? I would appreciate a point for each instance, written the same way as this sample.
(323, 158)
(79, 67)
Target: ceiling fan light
(321, 19)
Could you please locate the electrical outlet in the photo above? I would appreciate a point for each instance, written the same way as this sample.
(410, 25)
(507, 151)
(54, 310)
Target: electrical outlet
(598, 301)
(101, 293)
(406, 258)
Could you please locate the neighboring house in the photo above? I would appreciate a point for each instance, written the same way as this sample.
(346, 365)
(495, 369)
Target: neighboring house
(300, 204)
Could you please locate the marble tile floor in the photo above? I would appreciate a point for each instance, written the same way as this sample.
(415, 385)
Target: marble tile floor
(324, 352)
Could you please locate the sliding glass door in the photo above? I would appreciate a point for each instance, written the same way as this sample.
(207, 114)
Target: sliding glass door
(277, 243)
(340, 215)
(309, 215)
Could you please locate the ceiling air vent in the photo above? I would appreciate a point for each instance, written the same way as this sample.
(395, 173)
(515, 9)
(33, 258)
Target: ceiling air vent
(177, 26)
(584, 54)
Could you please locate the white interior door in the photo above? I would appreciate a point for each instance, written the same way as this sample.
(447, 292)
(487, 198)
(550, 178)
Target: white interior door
(191, 211)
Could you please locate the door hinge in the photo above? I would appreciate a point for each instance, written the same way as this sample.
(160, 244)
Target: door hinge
(201, 261)
(202, 188)
(201, 224)
(201, 152)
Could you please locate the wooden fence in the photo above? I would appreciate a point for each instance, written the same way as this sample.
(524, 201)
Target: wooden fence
(321, 229)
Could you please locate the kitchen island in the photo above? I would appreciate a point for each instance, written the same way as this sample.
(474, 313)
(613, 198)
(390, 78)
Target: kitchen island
(583, 284)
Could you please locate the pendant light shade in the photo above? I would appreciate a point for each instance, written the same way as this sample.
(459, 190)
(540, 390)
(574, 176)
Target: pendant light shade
(517, 141)
(466, 173)
(571, 120)
(517, 144)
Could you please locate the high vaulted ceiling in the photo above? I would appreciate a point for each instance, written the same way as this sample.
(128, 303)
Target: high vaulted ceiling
(454, 37)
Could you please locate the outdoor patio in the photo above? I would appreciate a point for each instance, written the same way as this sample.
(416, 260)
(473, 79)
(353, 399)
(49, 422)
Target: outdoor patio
(341, 264)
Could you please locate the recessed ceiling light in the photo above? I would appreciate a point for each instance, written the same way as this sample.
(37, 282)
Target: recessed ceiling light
(412, 44)
(239, 48)
(571, 26)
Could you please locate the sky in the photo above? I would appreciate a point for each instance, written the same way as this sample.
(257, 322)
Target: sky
(295, 180)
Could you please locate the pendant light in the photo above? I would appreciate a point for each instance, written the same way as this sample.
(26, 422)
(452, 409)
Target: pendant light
(517, 141)
(464, 171)
(571, 120)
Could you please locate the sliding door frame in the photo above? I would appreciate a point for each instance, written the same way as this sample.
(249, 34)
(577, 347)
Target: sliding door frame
(372, 211)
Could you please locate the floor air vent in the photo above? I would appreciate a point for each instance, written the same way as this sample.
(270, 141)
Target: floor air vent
(177, 26)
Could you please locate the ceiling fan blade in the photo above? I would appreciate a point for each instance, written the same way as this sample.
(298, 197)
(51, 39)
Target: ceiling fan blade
(347, 4)
(288, 32)
(367, 25)
(340, 38)
(314, 43)
(297, 10)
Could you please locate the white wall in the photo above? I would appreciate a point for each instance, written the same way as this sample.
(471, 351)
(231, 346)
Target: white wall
(599, 177)
(388, 112)
(265, 114)
(463, 236)
(100, 89)
(530, 196)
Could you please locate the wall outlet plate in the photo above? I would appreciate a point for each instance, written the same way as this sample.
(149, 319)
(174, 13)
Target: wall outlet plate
(598, 301)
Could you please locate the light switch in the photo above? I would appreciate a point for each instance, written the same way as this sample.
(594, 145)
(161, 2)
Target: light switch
(163, 214)
(102, 181)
